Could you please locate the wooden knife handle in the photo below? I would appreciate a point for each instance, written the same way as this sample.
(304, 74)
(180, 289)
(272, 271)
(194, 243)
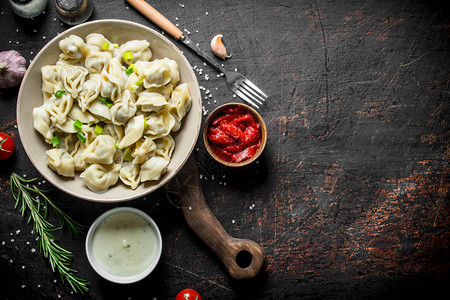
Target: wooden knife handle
(156, 17)
(243, 258)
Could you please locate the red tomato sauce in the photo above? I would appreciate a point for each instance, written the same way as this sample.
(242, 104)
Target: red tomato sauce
(234, 134)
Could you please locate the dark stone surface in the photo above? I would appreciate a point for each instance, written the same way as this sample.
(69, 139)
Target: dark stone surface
(350, 198)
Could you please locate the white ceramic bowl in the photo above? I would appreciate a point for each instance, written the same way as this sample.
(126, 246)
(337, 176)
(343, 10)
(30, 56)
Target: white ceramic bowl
(30, 96)
(96, 265)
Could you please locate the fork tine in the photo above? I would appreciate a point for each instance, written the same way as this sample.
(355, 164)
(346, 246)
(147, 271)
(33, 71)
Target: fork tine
(246, 90)
(252, 92)
(243, 96)
(255, 87)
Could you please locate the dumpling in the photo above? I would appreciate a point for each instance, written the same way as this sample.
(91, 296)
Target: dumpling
(131, 86)
(51, 80)
(100, 110)
(174, 73)
(90, 91)
(73, 49)
(115, 72)
(66, 127)
(59, 107)
(61, 162)
(85, 117)
(73, 78)
(159, 124)
(165, 146)
(110, 89)
(155, 73)
(123, 109)
(153, 168)
(142, 148)
(68, 142)
(97, 39)
(129, 174)
(180, 101)
(98, 178)
(165, 90)
(88, 132)
(41, 122)
(78, 149)
(96, 60)
(115, 131)
(140, 50)
(133, 131)
(150, 101)
(100, 151)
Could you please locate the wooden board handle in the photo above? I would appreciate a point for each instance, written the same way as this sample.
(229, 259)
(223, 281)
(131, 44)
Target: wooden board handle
(243, 258)
(156, 17)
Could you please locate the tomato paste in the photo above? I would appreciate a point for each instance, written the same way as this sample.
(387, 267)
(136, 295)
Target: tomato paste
(234, 134)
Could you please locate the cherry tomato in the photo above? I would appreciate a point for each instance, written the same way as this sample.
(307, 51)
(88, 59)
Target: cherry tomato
(188, 294)
(6, 146)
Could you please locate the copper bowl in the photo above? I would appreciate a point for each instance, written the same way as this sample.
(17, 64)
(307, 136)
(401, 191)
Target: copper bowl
(258, 118)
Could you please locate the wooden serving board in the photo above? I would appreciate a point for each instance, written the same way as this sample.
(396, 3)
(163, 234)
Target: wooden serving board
(242, 258)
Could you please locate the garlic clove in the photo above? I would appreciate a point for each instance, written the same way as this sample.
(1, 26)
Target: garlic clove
(218, 48)
(12, 68)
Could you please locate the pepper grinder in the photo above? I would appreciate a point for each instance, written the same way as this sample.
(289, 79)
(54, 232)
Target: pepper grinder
(74, 12)
(28, 8)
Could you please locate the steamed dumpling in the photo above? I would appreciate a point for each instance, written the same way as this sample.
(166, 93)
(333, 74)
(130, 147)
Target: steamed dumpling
(129, 174)
(123, 109)
(133, 131)
(41, 122)
(100, 151)
(73, 49)
(154, 73)
(153, 168)
(180, 101)
(90, 91)
(60, 161)
(140, 51)
(150, 101)
(143, 147)
(98, 178)
(96, 60)
(159, 124)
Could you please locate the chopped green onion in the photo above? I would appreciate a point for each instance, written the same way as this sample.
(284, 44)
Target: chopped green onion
(55, 141)
(105, 46)
(115, 45)
(77, 125)
(116, 145)
(107, 101)
(130, 70)
(138, 82)
(128, 55)
(127, 154)
(145, 124)
(98, 130)
(59, 93)
(81, 136)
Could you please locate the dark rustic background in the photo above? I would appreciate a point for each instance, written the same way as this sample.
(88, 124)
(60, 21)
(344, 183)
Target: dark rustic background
(350, 199)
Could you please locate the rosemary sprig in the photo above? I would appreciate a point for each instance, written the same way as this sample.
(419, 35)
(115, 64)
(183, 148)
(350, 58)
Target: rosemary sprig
(59, 258)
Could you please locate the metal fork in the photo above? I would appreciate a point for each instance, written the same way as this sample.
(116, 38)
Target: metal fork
(237, 82)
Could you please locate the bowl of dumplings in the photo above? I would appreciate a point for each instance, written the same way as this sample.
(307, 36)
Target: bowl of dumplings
(109, 111)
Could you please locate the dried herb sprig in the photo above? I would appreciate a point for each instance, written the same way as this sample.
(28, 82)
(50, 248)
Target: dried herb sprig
(34, 199)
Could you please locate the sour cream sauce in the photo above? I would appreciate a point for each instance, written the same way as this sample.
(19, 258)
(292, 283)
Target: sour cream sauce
(124, 244)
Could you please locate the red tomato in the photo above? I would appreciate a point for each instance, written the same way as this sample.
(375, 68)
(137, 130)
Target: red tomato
(6, 146)
(188, 294)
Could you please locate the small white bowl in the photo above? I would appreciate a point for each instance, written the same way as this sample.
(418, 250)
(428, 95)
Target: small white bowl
(97, 266)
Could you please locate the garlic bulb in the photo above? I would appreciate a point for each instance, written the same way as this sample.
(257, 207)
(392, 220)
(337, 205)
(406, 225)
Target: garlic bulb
(218, 48)
(12, 68)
